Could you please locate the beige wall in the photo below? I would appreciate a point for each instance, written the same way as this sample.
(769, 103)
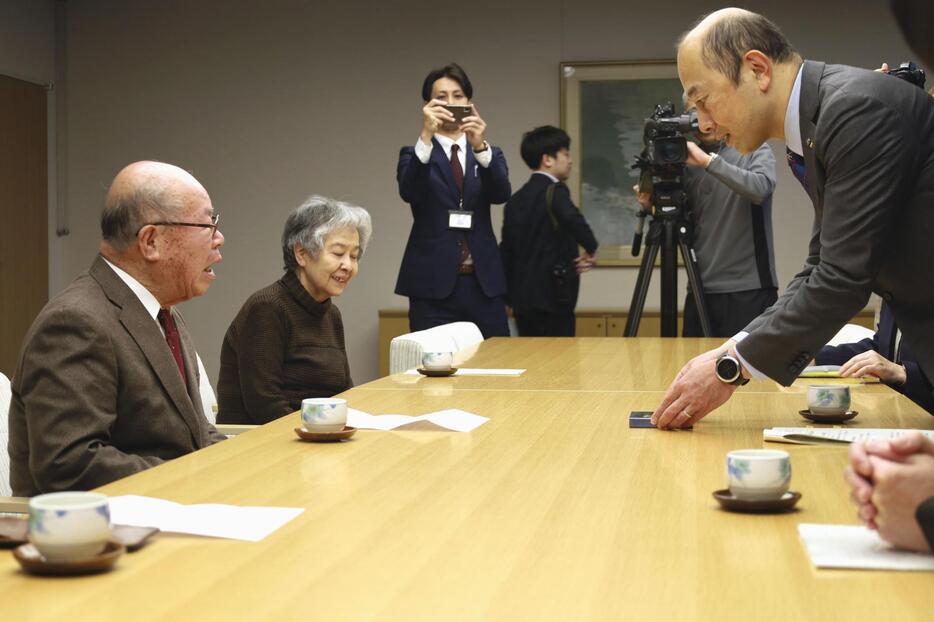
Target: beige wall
(269, 101)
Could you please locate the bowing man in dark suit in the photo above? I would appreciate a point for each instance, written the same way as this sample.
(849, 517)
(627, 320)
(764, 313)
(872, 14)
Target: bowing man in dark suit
(541, 232)
(885, 356)
(107, 380)
(867, 144)
(451, 270)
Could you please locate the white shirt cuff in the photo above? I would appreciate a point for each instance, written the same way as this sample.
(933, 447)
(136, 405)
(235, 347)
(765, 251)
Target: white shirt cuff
(753, 372)
(484, 157)
(422, 151)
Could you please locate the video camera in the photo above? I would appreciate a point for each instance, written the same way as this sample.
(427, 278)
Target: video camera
(663, 136)
(910, 73)
(663, 159)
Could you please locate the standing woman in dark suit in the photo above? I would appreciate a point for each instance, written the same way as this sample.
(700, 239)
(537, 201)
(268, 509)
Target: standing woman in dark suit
(451, 270)
(287, 342)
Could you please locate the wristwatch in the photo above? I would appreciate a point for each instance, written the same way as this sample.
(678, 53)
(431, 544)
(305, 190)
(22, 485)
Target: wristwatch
(729, 371)
(485, 146)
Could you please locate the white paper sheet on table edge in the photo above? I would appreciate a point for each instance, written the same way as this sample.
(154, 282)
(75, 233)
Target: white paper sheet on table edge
(453, 419)
(856, 547)
(477, 371)
(841, 435)
(251, 523)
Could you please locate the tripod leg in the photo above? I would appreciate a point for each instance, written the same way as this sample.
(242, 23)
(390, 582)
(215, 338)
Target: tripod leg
(697, 287)
(649, 253)
(669, 294)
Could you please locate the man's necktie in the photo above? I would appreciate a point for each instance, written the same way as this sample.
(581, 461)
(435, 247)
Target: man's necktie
(457, 170)
(171, 337)
(458, 173)
(796, 163)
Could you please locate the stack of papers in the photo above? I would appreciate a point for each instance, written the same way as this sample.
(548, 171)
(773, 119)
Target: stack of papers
(848, 546)
(815, 436)
(450, 419)
(252, 523)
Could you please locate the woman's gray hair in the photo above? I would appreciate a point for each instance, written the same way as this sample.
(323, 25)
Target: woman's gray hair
(310, 223)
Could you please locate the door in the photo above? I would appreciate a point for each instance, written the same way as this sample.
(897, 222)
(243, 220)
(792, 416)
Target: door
(24, 263)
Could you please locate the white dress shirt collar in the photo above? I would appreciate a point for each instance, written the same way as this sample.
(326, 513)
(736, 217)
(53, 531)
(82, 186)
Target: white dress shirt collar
(548, 175)
(793, 117)
(149, 301)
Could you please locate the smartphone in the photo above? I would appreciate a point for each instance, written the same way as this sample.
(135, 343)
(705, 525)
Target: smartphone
(459, 112)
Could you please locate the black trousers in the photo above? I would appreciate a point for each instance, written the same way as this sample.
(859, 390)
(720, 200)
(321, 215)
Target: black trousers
(467, 303)
(728, 313)
(536, 323)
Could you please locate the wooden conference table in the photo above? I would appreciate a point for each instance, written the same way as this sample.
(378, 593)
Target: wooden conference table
(553, 510)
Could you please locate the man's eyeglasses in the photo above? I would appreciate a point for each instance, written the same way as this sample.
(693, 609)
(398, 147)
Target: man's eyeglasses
(215, 218)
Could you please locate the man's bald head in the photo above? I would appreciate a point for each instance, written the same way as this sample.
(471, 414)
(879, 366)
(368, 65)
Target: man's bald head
(723, 37)
(143, 192)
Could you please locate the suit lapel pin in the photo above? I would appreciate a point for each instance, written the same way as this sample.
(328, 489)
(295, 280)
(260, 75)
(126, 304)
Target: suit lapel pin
(810, 143)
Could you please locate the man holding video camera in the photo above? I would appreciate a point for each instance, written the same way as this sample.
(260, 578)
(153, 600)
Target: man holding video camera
(730, 196)
(451, 270)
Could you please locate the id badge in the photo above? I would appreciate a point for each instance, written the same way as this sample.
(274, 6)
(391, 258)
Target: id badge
(458, 219)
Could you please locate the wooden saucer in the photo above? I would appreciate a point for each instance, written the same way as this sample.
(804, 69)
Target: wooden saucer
(14, 532)
(325, 437)
(820, 418)
(728, 501)
(34, 563)
(437, 373)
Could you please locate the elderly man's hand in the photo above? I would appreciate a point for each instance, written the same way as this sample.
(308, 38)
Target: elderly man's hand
(871, 363)
(694, 393)
(898, 489)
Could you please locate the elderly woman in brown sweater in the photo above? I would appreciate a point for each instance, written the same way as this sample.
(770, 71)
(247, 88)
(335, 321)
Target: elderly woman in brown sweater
(287, 342)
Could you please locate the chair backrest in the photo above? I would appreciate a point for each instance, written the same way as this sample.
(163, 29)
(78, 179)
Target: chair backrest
(5, 396)
(405, 351)
(208, 398)
(851, 333)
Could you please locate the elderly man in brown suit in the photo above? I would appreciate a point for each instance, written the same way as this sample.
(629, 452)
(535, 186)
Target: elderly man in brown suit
(107, 381)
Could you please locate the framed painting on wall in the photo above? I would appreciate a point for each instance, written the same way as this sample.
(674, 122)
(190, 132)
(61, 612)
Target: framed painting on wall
(603, 108)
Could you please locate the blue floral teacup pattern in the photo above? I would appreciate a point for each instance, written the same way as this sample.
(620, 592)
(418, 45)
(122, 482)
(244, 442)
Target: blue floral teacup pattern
(324, 414)
(758, 474)
(438, 361)
(830, 399)
(69, 526)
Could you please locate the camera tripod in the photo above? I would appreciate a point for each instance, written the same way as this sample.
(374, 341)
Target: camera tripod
(668, 233)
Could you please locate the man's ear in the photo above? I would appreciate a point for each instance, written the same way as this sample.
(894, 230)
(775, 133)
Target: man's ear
(148, 242)
(547, 161)
(761, 66)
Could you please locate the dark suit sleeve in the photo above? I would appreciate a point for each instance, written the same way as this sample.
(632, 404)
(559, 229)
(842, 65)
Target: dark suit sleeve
(412, 176)
(495, 178)
(69, 397)
(917, 387)
(571, 219)
(838, 355)
(507, 250)
(260, 362)
(867, 181)
(925, 517)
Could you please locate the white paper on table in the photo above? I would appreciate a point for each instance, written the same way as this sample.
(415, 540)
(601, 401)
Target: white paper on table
(814, 436)
(850, 546)
(467, 371)
(252, 523)
(452, 419)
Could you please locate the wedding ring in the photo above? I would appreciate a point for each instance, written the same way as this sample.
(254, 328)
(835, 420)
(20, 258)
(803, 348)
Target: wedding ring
(685, 414)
